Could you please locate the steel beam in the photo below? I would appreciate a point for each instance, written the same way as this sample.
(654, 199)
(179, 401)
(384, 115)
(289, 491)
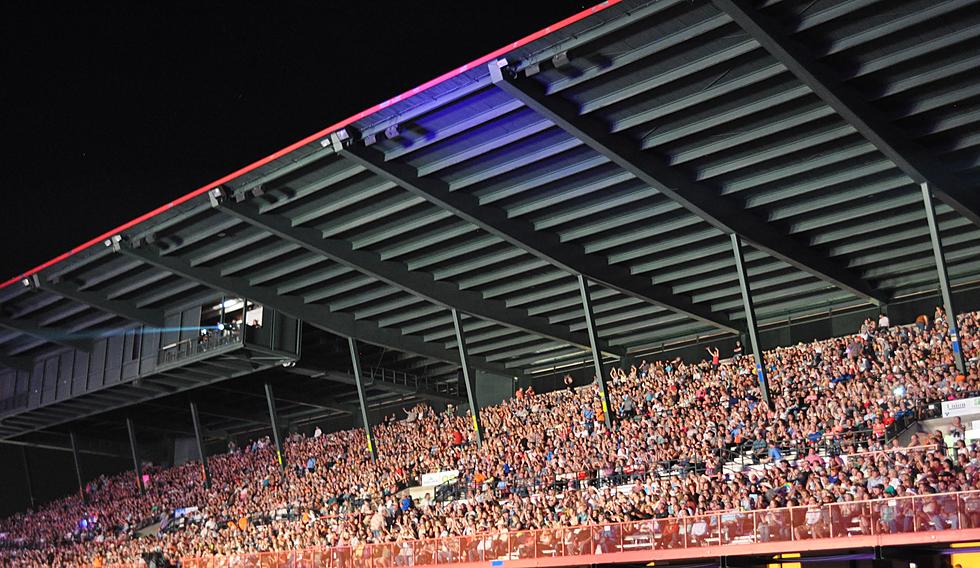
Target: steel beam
(943, 273)
(121, 308)
(355, 360)
(521, 233)
(914, 160)
(52, 334)
(317, 315)
(583, 286)
(78, 464)
(137, 466)
(725, 214)
(468, 377)
(199, 436)
(274, 420)
(420, 284)
(753, 330)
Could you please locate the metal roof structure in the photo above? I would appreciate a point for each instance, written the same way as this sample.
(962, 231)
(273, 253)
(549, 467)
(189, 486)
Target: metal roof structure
(625, 144)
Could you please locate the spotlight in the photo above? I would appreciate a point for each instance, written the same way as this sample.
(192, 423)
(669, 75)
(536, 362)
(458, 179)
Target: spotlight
(391, 131)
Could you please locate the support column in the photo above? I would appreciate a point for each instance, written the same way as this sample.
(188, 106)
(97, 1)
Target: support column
(275, 424)
(464, 361)
(136, 458)
(750, 324)
(27, 476)
(355, 360)
(937, 251)
(78, 465)
(199, 435)
(583, 286)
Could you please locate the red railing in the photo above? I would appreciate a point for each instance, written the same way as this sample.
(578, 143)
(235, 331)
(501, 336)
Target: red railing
(945, 517)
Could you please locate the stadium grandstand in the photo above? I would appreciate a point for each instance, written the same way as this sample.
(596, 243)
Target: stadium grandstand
(670, 282)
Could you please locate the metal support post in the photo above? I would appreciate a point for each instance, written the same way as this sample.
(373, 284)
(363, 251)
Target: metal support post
(27, 476)
(78, 464)
(464, 362)
(275, 424)
(583, 286)
(937, 251)
(199, 435)
(750, 323)
(137, 466)
(355, 360)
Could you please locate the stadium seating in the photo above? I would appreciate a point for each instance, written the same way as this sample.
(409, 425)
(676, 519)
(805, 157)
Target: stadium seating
(694, 458)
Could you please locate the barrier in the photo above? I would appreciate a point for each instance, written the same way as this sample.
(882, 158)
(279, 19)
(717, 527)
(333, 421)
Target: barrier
(901, 520)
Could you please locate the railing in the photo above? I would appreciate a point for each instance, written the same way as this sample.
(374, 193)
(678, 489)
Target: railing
(417, 382)
(882, 520)
(209, 341)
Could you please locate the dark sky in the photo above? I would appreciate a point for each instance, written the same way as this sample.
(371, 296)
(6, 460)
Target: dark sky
(110, 111)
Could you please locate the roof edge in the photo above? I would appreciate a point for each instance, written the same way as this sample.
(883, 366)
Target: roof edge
(314, 137)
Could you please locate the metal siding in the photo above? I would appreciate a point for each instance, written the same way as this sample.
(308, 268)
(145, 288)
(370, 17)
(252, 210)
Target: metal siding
(113, 363)
(190, 321)
(36, 385)
(149, 351)
(79, 382)
(8, 384)
(96, 367)
(66, 369)
(50, 388)
(171, 322)
(131, 363)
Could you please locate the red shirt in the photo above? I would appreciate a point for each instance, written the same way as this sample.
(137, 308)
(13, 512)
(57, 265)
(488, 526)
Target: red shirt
(457, 437)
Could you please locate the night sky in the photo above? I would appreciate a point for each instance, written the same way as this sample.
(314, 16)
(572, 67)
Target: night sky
(111, 111)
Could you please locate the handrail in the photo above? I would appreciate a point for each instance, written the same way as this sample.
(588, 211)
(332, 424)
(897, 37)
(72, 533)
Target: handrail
(877, 517)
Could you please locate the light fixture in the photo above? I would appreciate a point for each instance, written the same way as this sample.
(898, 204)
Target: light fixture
(230, 305)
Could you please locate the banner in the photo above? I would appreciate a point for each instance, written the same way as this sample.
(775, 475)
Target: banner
(439, 477)
(961, 407)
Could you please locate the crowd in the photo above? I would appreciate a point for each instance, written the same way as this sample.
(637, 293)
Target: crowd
(548, 460)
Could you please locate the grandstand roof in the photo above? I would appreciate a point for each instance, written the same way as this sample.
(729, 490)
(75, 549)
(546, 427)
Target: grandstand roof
(624, 143)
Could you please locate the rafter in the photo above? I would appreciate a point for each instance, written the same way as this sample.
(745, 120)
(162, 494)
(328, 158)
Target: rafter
(317, 315)
(521, 233)
(725, 214)
(54, 335)
(421, 284)
(914, 160)
(97, 300)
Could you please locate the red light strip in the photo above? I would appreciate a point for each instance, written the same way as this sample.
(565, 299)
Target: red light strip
(317, 136)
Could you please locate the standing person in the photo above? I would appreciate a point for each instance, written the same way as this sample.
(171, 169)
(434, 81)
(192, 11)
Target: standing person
(715, 356)
(737, 351)
(568, 381)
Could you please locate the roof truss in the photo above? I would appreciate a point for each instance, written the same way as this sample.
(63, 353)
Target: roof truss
(725, 214)
(396, 274)
(121, 308)
(521, 233)
(339, 323)
(898, 147)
